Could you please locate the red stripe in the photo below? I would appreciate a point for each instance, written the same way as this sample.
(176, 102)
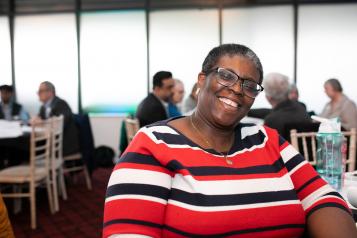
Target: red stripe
(144, 167)
(134, 209)
(223, 221)
(131, 229)
(329, 200)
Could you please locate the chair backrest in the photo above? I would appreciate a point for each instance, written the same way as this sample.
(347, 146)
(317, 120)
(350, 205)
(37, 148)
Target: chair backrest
(131, 127)
(307, 146)
(40, 147)
(56, 139)
(86, 140)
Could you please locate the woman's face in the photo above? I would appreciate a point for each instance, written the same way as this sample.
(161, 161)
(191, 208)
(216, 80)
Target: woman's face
(226, 106)
(330, 92)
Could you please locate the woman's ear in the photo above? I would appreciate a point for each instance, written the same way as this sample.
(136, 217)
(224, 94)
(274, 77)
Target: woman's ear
(201, 80)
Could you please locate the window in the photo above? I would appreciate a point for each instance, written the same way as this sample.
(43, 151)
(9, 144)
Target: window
(5, 49)
(326, 49)
(180, 41)
(113, 60)
(46, 50)
(268, 31)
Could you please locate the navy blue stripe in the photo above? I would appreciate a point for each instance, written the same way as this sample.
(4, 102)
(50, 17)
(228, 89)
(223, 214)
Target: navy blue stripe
(173, 139)
(136, 158)
(187, 234)
(248, 142)
(281, 140)
(238, 232)
(138, 189)
(294, 161)
(215, 170)
(330, 204)
(238, 145)
(334, 194)
(132, 221)
(198, 199)
(310, 181)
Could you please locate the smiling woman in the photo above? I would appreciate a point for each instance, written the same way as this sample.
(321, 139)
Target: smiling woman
(209, 175)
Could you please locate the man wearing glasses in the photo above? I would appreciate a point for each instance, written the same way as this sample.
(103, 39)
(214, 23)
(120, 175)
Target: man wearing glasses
(55, 106)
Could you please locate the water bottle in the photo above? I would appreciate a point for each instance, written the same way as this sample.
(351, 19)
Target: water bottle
(330, 142)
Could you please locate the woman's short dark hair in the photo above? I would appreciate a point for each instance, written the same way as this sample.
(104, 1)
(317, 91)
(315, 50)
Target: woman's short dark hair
(159, 77)
(335, 84)
(231, 49)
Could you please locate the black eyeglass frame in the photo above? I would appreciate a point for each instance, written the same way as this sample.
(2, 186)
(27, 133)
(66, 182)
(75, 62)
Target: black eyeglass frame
(242, 80)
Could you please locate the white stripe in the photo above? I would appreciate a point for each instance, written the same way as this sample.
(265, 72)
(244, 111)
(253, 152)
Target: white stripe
(160, 129)
(288, 152)
(139, 176)
(249, 131)
(230, 208)
(225, 187)
(137, 197)
(316, 195)
(129, 236)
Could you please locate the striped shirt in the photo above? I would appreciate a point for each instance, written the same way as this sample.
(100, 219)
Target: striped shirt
(165, 185)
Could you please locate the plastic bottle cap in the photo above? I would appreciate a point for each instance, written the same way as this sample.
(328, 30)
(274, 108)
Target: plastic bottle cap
(328, 125)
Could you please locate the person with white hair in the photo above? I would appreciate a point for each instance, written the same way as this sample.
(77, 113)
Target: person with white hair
(285, 111)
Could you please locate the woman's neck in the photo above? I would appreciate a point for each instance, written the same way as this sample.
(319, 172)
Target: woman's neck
(221, 139)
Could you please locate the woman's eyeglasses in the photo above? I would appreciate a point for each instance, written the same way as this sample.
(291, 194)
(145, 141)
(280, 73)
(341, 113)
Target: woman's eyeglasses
(228, 78)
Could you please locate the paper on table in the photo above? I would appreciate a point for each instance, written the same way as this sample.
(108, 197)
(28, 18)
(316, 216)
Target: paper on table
(10, 129)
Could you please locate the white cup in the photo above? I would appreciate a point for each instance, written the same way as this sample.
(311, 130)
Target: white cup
(352, 195)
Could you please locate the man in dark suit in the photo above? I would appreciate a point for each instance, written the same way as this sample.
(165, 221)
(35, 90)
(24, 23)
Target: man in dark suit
(9, 109)
(155, 106)
(55, 106)
(285, 111)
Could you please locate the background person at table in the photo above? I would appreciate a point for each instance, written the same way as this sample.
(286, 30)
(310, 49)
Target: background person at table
(178, 91)
(294, 94)
(285, 111)
(155, 106)
(340, 105)
(190, 102)
(9, 109)
(209, 175)
(55, 106)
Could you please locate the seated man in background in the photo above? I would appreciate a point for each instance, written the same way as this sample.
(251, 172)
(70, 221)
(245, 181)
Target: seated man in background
(294, 94)
(340, 105)
(9, 109)
(285, 111)
(55, 106)
(178, 92)
(155, 106)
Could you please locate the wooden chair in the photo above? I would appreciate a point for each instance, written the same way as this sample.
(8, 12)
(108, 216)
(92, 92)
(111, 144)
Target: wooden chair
(308, 146)
(131, 127)
(33, 174)
(56, 160)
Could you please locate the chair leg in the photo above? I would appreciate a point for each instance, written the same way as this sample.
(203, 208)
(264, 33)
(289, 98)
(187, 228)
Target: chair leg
(33, 205)
(49, 196)
(62, 184)
(17, 201)
(55, 190)
(87, 177)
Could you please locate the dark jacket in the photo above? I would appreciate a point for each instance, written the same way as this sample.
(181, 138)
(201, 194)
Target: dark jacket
(15, 110)
(70, 130)
(150, 110)
(284, 113)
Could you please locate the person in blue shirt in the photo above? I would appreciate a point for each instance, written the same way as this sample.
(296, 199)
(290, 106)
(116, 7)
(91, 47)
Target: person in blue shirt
(9, 109)
(178, 92)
